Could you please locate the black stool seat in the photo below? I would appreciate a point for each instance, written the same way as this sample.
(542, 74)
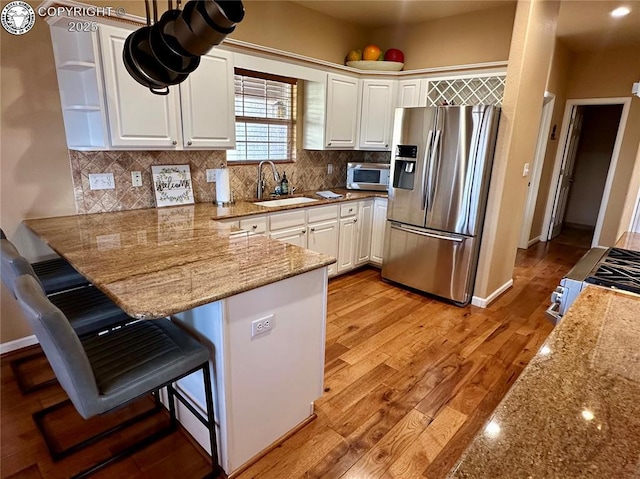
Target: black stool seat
(88, 309)
(57, 275)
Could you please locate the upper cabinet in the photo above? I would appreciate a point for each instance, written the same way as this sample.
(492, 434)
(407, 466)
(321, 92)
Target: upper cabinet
(331, 113)
(378, 98)
(137, 118)
(104, 108)
(411, 93)
(207, 99)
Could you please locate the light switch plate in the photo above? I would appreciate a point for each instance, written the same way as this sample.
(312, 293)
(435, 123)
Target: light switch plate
(101, 181)
(211, 175)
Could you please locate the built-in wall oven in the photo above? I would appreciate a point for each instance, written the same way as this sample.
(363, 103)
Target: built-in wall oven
(614, 268)
(368, 176)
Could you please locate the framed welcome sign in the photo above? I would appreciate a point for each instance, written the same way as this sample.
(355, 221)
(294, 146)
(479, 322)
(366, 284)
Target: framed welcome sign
(172, 185)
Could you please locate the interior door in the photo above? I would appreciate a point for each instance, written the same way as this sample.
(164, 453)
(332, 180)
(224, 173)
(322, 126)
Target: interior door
(566, 170)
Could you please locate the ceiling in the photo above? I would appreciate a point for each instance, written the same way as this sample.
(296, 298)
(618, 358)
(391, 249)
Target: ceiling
(582, 24)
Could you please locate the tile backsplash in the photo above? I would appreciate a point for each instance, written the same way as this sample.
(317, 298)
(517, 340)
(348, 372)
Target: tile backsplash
(308, 172)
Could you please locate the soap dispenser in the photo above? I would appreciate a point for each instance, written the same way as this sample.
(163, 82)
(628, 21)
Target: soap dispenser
(284, 184)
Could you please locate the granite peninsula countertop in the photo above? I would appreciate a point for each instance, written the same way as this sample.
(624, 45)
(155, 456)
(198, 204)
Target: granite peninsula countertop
(575, 410)
(248, 208)
(157, 262)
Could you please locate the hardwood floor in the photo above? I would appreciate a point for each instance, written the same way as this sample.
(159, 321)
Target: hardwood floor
(409, 381)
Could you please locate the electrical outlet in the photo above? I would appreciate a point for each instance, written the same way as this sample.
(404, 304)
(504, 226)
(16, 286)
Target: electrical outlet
(101, 181)
(136, 178)
(263, 325)
(211, 175)
(329, 168)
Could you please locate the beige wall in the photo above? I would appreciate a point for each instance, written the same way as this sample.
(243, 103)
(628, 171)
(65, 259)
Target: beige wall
(557, 85)
(35, 174)
(530, 58)
(605, 74)
(476, 37)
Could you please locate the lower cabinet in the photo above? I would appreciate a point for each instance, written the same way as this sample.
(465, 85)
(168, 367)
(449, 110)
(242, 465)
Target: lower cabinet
(296, 236)
(347, 244)
(323, 238)
(365, 220)
(351, 231)
(377, 233)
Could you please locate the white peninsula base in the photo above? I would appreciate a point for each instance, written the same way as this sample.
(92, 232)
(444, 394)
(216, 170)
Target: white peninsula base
(265, 385)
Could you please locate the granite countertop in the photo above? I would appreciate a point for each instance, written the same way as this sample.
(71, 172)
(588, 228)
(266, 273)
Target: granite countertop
(575, 410)
(248, 208)
(157, 262)
(629, 241)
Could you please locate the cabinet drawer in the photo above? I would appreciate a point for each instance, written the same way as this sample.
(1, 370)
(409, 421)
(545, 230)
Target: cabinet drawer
(348, 209)
(255, 224)
(291, 219)
(323, 213)
(233, 222)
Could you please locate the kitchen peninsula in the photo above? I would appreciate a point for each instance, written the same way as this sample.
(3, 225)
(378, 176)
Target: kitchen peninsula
(218, 281)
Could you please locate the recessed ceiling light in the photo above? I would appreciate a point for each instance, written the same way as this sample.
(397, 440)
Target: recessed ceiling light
(620, 12)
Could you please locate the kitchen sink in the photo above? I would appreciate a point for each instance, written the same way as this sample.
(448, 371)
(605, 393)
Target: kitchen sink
(285, 201)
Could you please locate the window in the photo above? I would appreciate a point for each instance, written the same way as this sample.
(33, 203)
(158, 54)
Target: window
(265, 117)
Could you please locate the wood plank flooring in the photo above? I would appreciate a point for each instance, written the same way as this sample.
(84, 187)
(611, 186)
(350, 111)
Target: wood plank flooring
(409, 381)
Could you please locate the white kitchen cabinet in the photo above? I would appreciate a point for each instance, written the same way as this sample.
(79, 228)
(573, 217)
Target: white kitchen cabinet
(254, 224)
(331, 111)
(412, 93)
(376, 118)
(323, 238)
(296, 236)
(207, 100)
(347, 244)
(364, 228)
(137, 118)
(378, 229)
(79, 71)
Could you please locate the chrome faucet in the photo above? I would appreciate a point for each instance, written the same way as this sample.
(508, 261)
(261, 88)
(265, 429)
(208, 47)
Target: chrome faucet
(276, 177)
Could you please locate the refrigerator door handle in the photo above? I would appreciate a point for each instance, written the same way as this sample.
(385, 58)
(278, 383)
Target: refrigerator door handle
(425, 188)
(433, 166)
(424, 233)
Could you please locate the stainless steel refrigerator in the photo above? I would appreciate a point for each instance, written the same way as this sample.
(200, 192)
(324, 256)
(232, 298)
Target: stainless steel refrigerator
(440, 170)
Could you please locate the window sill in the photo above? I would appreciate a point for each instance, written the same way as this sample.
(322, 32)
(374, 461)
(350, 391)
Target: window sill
(256, 163)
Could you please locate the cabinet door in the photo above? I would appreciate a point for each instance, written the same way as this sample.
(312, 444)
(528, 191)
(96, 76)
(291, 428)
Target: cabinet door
(207, 99)
(323, 238)
(377, 235)
(296, 236)
(364, 224)
(342, 111)
(377, 114)
(347, 244)
(254, 224)
(408, 93)
(137, 118)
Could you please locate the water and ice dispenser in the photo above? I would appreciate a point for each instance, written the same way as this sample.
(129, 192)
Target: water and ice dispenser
(405, 166)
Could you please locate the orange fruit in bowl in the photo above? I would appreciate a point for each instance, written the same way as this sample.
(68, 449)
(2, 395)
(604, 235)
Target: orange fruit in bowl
(371, 53)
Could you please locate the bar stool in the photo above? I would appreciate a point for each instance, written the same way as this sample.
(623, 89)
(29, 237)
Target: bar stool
(87, 308)
(56, 274)
(102, 373)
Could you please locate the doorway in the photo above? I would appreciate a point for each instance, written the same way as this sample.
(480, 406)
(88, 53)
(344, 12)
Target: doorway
(584, 170)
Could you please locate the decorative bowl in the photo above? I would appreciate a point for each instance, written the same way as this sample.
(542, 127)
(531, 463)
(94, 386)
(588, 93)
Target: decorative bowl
(376, 65)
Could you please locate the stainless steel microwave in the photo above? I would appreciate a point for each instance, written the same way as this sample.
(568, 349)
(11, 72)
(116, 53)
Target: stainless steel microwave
(368, 176)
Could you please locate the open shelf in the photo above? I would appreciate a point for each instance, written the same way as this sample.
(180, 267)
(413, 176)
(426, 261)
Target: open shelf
(82, 108)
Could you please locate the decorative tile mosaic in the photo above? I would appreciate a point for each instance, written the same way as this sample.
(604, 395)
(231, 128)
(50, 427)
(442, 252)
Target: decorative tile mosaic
(308, 172)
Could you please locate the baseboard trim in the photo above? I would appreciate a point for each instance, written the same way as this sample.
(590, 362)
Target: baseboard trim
(484, 302)
(533, 241)
(16, 344)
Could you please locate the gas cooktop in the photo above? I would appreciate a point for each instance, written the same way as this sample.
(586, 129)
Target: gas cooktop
(619, 269)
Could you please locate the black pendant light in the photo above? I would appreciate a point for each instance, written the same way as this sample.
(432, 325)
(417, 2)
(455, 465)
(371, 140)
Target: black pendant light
(164, 53)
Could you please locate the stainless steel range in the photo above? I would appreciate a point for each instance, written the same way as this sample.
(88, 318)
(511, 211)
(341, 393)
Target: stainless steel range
(614, 268)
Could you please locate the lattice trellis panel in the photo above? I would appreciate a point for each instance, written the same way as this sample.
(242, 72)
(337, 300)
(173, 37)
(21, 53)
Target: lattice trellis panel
(466, 91)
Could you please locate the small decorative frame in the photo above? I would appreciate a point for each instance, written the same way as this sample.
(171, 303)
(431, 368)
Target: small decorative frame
(172, 185)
